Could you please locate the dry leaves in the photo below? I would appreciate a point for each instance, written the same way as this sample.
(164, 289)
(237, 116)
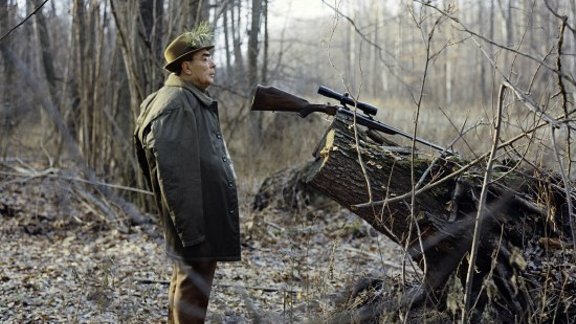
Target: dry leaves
(61, 263)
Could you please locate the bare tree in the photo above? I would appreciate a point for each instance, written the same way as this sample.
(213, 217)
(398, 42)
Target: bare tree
(253, 76)
(7, 77)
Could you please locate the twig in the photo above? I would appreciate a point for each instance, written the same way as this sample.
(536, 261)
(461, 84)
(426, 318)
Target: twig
(53, 173)
(481, 208)
(261, 288)
(152, 281)
(530, 104)
(412, 207)
(101, 183)
(278, 227)
(23, 21)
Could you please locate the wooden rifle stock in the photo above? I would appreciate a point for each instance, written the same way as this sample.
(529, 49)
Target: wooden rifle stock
(273, 99)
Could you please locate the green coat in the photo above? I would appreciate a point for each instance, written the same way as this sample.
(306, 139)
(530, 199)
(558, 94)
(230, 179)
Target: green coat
(184, 158)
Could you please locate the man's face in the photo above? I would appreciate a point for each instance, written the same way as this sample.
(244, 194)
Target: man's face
(201, 70)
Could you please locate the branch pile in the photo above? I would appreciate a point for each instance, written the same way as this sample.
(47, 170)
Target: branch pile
(56, 189)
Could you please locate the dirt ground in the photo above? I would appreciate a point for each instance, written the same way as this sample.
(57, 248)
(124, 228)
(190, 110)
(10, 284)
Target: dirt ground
(63, 262)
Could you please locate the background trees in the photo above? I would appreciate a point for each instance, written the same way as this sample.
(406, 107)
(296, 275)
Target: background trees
(94, 61)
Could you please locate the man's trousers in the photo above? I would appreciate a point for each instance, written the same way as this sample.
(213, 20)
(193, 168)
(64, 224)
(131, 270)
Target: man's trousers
(190, 291)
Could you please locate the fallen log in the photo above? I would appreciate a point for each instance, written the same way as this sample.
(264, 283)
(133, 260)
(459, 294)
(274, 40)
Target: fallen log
(525, 261)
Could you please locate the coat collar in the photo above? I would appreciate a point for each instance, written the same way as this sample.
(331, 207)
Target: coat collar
(175, 81)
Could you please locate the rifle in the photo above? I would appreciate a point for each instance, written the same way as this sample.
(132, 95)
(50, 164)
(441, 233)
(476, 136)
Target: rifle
(273, 99)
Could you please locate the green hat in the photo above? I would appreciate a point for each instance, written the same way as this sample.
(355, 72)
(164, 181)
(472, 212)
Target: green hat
(187, 43)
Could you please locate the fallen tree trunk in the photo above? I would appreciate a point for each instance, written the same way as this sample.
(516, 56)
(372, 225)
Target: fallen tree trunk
(525, 263)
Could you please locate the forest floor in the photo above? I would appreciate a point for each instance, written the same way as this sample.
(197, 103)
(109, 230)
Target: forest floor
(61, 261)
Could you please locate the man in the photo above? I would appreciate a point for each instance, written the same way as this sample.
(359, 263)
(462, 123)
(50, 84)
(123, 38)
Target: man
(184, 158)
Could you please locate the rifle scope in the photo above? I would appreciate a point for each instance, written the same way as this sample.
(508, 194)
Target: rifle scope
(345, 99)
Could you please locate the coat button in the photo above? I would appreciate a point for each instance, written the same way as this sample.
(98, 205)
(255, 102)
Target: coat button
(224, 159)
(230, 184)
(218, 136)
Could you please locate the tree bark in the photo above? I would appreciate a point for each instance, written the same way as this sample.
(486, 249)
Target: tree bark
(256, 122)
(264, 70)
(41, 29)
(8, 111)
(226, 31)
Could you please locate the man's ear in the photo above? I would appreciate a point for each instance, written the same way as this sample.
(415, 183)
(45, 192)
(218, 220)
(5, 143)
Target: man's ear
(185, 67)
